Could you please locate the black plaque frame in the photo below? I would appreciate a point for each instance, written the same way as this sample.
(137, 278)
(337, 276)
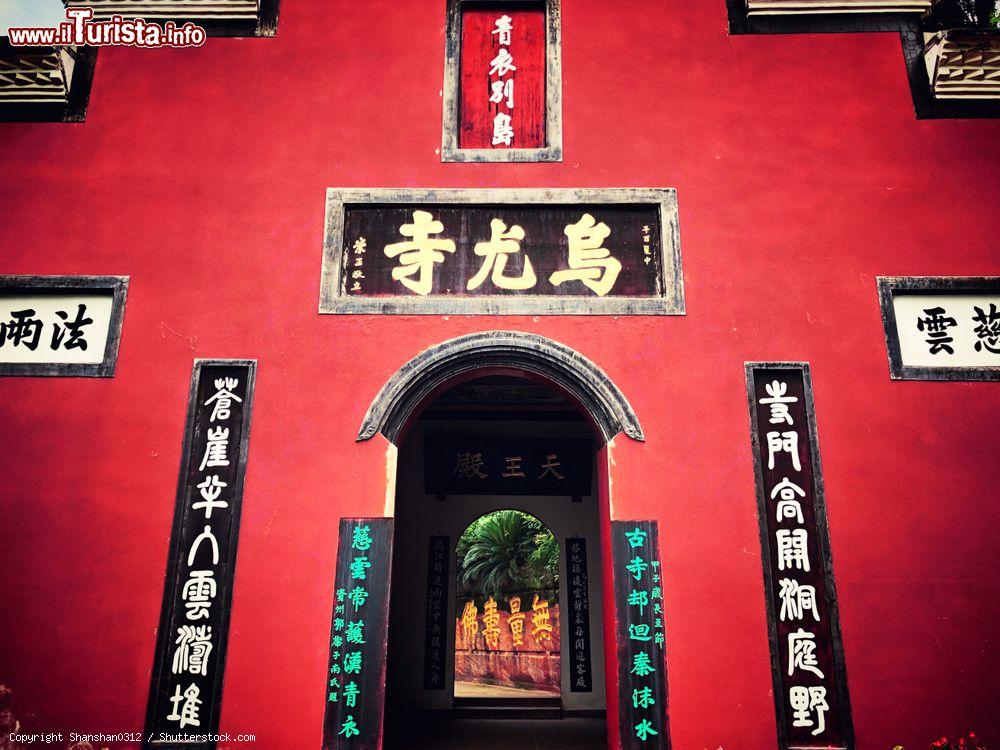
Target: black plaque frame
(333, 300)
(117, 286)
(620, 554)
(823, 541)
(888, 286)
(164, 638)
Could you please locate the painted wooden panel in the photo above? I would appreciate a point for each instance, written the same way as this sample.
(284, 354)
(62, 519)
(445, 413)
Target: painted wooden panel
(810, 682)
(493, 40)
(355, 689)
(527, 251)
(640, 636)
(577, 619)
(61, 325)
(941, 327)
(185, 697)
(436, 622)
(485, 466)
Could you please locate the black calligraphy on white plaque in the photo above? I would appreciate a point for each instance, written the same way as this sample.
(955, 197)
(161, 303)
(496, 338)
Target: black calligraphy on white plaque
(578, 622)
(436, 625)
(941, 327)
(810, 682)
(186, 691)
(61, 325)
(642, 667)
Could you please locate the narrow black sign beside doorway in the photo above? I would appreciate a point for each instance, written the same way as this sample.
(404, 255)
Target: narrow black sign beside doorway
(436, 619)
(580, 670)
(642, 668)
(355, 690)
(812, 705)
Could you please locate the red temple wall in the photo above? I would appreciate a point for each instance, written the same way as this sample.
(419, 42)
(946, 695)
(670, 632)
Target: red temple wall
(801, 174)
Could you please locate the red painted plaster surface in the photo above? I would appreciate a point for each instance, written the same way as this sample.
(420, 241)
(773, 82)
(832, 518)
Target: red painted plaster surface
(802, 174)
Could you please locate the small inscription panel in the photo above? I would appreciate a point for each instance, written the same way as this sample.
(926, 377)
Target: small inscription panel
(577, 620)
(810, 682)
(942, 328)
(436, 624)
(642, 667)
(503, 252)
(489, 466)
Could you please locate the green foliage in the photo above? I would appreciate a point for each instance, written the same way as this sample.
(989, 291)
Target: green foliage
(507, 551)
(965, 14)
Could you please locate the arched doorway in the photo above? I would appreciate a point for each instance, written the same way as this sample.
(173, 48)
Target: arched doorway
(496, 470)
(498, 386)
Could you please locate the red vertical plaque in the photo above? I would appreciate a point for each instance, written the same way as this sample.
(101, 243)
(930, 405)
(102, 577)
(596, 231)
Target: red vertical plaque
(502, 89)
(502, 94)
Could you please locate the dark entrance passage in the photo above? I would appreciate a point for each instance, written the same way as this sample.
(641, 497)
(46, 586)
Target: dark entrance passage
(450, 733)
(495, 626)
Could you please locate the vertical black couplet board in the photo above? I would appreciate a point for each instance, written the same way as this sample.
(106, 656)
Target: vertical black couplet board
(436, 625)
(355, 687)
(186, 691)
(807, 659)
(578, 622)
(642, 668)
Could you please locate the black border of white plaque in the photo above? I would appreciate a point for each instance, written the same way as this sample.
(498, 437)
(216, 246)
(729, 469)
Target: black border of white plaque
(451, 96)
(888, 286)
(332, 299)
(116, 285)
(822, 531)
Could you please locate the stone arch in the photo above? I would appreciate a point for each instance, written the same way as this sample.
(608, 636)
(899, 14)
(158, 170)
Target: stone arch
(568, 370)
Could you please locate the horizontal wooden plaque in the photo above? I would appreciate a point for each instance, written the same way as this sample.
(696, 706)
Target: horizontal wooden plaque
(558, 252)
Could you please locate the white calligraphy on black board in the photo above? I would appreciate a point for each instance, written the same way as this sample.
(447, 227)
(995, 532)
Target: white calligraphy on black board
(186, 691)
(810, 682)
